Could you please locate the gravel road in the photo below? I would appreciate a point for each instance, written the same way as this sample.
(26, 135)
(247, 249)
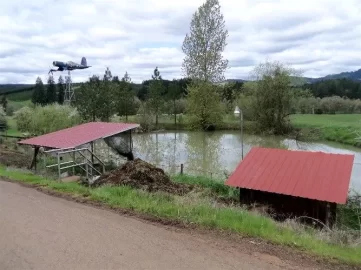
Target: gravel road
(38, 231)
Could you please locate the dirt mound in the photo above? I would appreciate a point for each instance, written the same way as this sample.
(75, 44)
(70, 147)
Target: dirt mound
(140, 174)
(13, 158)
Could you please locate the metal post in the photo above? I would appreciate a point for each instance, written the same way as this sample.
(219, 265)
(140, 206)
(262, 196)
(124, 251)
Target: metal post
(44, 159)
(242, 130)
(59, 171)
(74, 163)
(181, 168)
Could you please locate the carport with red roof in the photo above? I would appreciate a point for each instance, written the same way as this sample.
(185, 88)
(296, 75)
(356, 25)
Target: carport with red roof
(295, 183)
(70, 139)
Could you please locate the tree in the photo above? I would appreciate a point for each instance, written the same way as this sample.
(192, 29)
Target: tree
(94, 99)
(61, 91)
(156, 101)
(204, 45)
(273, 97)
(39, 96)
(4, 103)
(125, 103)
(108, 75)
(174, 93)
(204, 106)
(51, 91)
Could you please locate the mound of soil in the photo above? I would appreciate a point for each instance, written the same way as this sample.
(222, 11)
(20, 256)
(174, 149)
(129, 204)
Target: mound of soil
(13, 158)
(140, 174)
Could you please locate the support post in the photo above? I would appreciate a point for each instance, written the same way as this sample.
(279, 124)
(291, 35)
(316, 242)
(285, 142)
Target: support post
(328, 214)
(59, 169)
(33, 162)
(74, 163)
(92, 150)
(181, 169)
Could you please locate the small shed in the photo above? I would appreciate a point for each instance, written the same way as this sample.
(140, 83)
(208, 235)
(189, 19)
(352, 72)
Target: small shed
(294, 183)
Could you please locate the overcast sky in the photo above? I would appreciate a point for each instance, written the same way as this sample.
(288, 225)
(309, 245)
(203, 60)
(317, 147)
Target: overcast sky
(318, 36)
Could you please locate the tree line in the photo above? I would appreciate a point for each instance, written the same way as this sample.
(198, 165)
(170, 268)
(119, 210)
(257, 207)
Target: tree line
(52, 93)
(337, 87)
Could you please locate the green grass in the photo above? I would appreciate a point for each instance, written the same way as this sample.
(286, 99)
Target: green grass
(12, 130)
(167, 206)
(217, 187)
(342, 128)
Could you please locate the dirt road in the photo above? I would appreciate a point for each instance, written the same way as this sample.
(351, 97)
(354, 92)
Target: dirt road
(38, 231)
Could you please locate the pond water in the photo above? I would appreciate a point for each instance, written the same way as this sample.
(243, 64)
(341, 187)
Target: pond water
(218, 153)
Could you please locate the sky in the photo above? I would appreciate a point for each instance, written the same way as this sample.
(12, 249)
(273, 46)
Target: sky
(319, 37)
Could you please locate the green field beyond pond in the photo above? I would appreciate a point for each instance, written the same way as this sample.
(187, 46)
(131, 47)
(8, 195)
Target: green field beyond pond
(342, 128)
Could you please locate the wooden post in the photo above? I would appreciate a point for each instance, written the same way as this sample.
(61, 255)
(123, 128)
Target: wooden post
(181, 169)
(328, 214)
(33, 162)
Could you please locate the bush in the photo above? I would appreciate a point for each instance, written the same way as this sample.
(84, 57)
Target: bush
(146, 119)
(10, 110)
(23, 118)
(41, 120)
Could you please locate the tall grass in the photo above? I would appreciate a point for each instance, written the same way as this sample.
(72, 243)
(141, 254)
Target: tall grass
(204, 214)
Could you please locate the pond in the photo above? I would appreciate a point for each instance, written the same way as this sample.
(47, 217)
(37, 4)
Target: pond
(218, 153)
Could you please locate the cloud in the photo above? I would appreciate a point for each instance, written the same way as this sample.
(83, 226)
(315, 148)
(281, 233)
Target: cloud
(319, 37)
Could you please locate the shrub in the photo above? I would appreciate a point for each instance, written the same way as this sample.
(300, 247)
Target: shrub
(23, 118)
(41, 120)
(10, 110)
(146, 119)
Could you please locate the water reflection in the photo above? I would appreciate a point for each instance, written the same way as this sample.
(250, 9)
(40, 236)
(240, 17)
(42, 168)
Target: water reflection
(218, 153)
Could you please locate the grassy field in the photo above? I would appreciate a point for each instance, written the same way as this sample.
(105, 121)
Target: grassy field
(197, 211)
(12, 130)
(342, 128)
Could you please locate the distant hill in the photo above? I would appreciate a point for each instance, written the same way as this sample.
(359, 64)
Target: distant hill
(353, 75)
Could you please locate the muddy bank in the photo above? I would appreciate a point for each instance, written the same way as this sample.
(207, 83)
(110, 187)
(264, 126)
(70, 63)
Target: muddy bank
(142, 175)
(14, 158)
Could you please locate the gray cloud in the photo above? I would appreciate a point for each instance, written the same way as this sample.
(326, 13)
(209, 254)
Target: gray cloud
(319, 37)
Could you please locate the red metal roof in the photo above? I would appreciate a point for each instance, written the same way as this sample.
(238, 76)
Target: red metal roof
(313, 175)
(78, 135)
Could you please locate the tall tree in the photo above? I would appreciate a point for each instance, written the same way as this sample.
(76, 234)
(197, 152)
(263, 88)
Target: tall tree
(51, 91)
(124, 97)
(61, 91)
(94, 99)
(204, 106)
(273, 97)
(39, 95)
(4, 103)
(175, 92)
(108, 75)
(156, 100)
(204, 45)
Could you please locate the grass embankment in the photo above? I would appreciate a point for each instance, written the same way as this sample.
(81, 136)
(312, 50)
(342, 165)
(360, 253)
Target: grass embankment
(342, 128)
(199, 212)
